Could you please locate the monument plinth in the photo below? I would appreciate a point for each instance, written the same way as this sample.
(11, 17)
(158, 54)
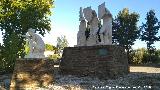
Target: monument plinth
(103, 61)
(29, 74)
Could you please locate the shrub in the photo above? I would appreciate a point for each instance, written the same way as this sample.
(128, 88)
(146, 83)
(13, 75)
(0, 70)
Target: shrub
(141, 56)
(137, 56)
(54, 56)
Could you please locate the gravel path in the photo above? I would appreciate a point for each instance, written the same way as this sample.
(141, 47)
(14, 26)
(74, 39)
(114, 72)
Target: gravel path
(139, 78)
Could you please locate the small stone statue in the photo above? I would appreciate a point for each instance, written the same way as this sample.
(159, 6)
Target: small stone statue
(36, 44)
(106, 29)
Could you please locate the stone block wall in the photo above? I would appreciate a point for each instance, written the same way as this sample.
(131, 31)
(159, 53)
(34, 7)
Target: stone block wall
(29, 74)
(103, 61)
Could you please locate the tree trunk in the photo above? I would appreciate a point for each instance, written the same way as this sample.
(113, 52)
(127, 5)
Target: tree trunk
(128, 54)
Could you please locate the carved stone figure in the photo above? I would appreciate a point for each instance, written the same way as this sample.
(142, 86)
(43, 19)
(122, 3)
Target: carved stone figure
(91, 17)
(97, 36)
(94, 29)
(106, 29)
(81, 39)
(36, 44)
(88, 13)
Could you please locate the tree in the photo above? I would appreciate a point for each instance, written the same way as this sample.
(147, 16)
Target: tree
(16, 17)
(61, 44)
(125, 30)
(9, 51)
(149, 31)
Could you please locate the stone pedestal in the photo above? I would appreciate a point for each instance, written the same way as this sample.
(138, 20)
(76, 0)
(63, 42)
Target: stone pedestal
(29, 74)
(103, 61)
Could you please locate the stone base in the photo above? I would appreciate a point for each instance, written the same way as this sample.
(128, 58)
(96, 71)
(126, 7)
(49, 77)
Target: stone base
(29, 74)
(103, 61)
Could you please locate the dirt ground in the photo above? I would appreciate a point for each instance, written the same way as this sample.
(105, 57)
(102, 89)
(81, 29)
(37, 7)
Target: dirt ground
(145, 69)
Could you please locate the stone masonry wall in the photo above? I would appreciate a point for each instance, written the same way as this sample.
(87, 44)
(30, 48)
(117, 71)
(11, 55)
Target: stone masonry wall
(29, 74)
(104, 61)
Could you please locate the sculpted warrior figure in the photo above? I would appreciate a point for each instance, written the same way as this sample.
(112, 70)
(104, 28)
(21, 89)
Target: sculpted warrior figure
(36, 44)
(106, 29)
(81, 40)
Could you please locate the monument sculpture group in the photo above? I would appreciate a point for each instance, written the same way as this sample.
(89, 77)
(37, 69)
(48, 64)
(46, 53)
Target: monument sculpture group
(90, 30)
(94, 53)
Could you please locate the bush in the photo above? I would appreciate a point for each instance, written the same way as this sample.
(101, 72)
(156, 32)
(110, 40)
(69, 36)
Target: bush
(141, 56)
(55, 57)
(137, 56)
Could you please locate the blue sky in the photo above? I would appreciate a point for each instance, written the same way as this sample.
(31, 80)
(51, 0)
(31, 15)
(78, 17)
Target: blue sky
(65, 16)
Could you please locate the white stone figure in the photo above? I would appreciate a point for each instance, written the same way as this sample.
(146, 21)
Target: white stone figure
(106, 29)
(81, 38)
(88, 13)
(36, 45)
(94, 28)
(91, 17)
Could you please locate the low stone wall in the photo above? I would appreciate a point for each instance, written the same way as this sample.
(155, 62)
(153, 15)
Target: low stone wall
(29, 74)
(104, 61)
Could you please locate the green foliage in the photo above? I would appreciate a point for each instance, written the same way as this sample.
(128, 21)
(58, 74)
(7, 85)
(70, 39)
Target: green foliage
(125, 30)
(16, 17)
(27, 49)
(138, 55)
(157, 57)
(50, 47)
(149, 31)
(54, 56)
(9, 51)
(141, 56)
(61, 44)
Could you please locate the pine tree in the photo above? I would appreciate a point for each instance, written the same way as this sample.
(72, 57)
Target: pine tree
(150, 31)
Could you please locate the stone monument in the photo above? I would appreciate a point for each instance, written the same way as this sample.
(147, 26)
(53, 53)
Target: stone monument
(95, 55)
(97, 35)
(34, 70)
